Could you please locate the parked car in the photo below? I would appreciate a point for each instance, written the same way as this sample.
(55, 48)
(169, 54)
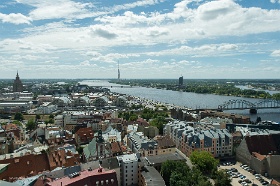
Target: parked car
(247, 181)
(264, 183)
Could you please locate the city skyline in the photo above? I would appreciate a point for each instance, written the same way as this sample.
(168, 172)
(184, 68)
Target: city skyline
(143, 39)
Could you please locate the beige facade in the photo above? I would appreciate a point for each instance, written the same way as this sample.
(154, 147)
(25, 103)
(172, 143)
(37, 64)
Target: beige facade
(265, 160)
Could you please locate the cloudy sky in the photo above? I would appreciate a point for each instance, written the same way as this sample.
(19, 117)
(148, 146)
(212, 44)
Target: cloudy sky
(149, 38)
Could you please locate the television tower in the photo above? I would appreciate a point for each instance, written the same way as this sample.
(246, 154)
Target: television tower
(119, 74)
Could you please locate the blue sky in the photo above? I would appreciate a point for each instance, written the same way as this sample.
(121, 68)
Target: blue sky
(150, 38)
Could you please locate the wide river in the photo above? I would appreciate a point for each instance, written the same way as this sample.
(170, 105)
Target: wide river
(187, 99)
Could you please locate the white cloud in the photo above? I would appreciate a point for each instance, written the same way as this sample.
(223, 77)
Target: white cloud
(157, 31)
(214, 9)
(15, 18)
(106, 32)
(275, 1)
(275, 53)
(199, 51)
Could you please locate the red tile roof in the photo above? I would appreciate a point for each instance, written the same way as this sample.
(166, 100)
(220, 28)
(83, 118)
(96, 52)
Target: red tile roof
(85, 134)
(60, 158)
(10, 126)
(275, 182)
(258, 156)
(116, 147)
(88, 178)
(24, 166)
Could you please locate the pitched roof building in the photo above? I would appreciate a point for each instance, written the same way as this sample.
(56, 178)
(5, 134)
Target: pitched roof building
(88, 177)
(262, 158)
(84, 135)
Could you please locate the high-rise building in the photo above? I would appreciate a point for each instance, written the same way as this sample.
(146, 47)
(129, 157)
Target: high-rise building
(181, 81)
(17, 86)
(119, 73)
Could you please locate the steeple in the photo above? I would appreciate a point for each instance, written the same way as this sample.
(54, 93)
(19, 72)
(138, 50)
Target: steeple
(17, 86)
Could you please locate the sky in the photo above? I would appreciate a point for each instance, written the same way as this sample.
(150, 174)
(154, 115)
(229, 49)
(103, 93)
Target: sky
(162, 39)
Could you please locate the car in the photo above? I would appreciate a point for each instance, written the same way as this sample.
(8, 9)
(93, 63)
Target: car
(243, 166)
(264, 183)
(240, 181)
(242, 177)
(234, 176)
(257, 177)
(247, 181)
(233, 170)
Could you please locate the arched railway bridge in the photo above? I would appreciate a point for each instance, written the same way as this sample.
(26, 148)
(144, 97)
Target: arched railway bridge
(239, 104)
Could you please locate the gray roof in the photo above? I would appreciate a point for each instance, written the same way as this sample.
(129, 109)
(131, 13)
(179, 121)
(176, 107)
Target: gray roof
(158, 159)
(5, 183)
(140, 142)
(152, 176)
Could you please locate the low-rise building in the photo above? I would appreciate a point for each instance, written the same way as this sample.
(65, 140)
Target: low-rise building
(261, 153)
(98, 176)
(138, 143)
(84, 135)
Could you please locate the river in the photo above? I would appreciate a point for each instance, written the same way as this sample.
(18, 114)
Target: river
(188, 99)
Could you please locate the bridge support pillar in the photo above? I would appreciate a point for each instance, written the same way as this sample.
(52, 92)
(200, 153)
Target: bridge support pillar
(253, 111)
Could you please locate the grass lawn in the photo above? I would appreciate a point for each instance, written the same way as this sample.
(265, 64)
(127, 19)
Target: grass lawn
(33, 116)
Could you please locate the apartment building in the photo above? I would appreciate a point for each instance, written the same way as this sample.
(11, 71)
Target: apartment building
(219, 142)
(128, 169)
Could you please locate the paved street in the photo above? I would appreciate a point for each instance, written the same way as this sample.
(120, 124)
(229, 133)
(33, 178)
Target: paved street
(248, 175)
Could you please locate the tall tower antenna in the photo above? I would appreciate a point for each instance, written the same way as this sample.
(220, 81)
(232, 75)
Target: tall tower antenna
(119, 73)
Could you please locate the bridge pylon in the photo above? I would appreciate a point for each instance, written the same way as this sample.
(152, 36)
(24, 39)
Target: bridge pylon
(253, 111)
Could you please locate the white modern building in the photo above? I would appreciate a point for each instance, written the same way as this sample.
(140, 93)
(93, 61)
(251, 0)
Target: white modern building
(128, 169)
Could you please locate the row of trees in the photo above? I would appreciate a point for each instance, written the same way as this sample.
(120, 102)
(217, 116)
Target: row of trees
(31, 123)
(155, 117)
(219, 87)
(177, 173)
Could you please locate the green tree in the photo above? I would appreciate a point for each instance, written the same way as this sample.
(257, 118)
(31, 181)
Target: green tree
(178, 179)
(17, 122)
(51, 116)
(38, 116)
(80, 150)
(18, 116)
(222, 178)
(51, 120)
(259, 119)
(204, 161)
(169, 167)
(133, 117)
(159, 123)
(30, 125)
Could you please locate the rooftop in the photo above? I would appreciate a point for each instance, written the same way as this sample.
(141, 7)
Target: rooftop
(158, 159)
(88, 177)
